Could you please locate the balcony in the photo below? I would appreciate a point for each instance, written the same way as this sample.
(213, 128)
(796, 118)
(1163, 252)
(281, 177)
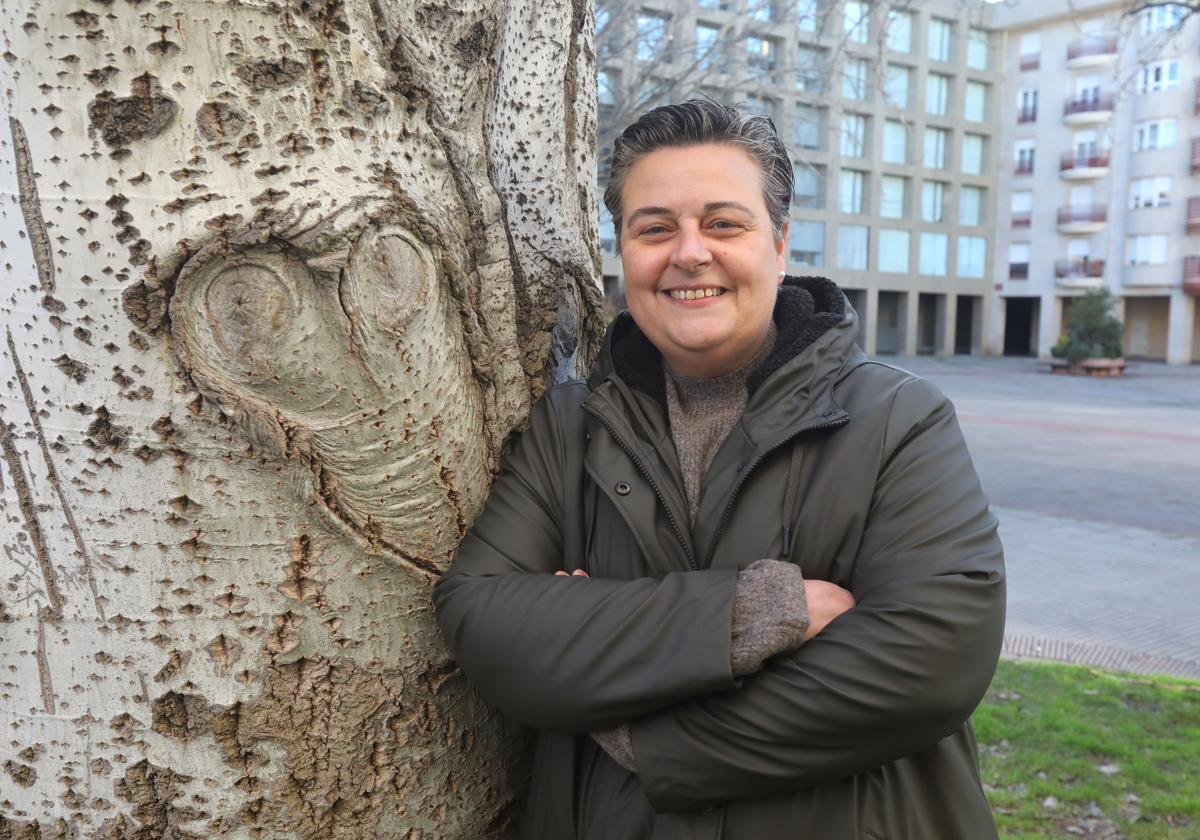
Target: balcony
(1031, 62)
(1093, 51)
(1081, 273)
(1088, 109)
(1195, 155)
(1073, 166)
(1082, 218)
(1020, 271)
(1022, 218)
(1193, 215)
(1027, 115)
(1024, 166)
(1191, 275)
(1196, 98)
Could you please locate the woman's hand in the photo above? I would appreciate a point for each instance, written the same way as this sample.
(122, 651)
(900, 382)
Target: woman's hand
(826, 601)
(576, 573)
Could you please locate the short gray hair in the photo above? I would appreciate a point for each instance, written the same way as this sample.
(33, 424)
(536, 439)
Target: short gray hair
(693, 123)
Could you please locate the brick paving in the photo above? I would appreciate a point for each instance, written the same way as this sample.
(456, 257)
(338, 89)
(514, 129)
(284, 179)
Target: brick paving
(1096, 484)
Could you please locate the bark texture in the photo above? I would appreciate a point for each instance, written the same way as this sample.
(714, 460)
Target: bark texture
(280, 277)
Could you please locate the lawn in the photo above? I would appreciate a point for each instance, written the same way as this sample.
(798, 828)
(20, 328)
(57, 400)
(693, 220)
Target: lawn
(1076, 752)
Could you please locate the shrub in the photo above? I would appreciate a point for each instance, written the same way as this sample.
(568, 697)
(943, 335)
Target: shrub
(1092, 330)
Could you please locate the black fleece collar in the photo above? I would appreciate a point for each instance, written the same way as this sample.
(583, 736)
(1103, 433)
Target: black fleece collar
(804, 309)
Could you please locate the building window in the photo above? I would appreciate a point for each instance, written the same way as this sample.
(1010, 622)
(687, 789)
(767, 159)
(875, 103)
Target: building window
(806, 243)
(1158, 75)
(899, 31)
(972, 154)
(1150, 192)
(939, 39)
(608, 232)
(761, 10)
(933, 201)
(1154, 134)
(854, 78)
(895, 85)
(936, 140)
(1018, 261)
(810, 69)
(712, 4)
(970, 206)
(935, 254)
(1146, 249)
(806, 191)
(762, 54)
(806, 127)
(1162, 18)
(972, 255)
(652, 32)
(1027, 105)
(893, 196)
(852, 247)
(937, 94)
(854, 135)
(1022, 202)
(806, 15)
(760, 106)
(893, 250)
(1031, 50)
(708, 47)
(977, 48)
(895, 142)
(975, 103)
(850, 191)
(1024, 152)
(606, 88)
(857, 21)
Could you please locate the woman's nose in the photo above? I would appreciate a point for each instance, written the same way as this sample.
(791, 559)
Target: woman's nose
(691, 251)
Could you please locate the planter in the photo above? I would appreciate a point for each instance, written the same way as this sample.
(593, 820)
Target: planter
(1089, 367)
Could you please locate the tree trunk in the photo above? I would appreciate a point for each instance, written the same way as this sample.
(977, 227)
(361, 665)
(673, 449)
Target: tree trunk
(280, 278)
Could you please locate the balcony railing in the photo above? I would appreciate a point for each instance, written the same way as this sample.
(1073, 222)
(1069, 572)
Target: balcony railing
(1074, 160)
(1082, 47)
(1083, 214)
(1082, 267)
(1196, 97)
(1024, 166)
(1191, 275)
(1018, 271)
(1193, 215)
(1021, 218)
(1195, 154)
(1089, 104)
(1032, 61)
(1027, 115)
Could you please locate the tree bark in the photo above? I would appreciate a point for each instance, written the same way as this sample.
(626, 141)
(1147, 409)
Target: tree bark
(280, 278)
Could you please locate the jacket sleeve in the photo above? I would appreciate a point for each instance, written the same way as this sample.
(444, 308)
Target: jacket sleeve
(572, 654)
(894, 675)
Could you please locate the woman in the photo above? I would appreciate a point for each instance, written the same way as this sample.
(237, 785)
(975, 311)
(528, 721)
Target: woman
(682, 686)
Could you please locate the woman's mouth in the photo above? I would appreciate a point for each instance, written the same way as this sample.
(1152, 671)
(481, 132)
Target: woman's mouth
(693, 294)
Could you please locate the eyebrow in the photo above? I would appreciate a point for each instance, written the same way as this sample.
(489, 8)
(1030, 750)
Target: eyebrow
(711, 207)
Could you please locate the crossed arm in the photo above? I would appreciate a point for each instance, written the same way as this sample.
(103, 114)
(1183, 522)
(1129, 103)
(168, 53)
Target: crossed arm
(895, 674)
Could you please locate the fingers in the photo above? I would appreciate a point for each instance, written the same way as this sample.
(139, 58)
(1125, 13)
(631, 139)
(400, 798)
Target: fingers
(576, 573)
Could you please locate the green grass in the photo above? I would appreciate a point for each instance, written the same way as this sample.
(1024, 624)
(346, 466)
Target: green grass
(1046, 730)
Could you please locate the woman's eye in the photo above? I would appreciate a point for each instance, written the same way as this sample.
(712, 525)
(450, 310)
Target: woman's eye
(724, 224)
(653, 229)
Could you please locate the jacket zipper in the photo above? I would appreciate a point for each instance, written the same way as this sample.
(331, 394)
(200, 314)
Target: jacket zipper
(649, 478)
(712, 551)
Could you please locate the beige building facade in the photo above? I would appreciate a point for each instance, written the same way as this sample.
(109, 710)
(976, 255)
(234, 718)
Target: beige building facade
(962, 170)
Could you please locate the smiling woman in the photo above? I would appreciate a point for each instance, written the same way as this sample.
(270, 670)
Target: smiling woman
(743, 580)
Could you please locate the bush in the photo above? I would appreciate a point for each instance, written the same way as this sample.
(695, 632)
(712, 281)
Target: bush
(1092, 331)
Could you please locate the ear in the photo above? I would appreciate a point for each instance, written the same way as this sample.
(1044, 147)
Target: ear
(781, 250)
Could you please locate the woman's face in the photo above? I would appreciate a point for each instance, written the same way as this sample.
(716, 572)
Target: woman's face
(702, 265)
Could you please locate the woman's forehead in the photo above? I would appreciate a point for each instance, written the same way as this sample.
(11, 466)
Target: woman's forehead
(694, 177)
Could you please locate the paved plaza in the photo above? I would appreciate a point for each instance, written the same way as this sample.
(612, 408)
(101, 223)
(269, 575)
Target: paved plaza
(1096, 483)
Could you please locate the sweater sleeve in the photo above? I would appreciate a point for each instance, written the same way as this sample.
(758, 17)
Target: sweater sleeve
(895, 674)
(572, 654)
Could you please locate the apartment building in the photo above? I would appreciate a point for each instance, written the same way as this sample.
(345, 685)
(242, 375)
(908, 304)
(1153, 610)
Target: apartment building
(963, 170)
(1099, 148)
(890, 114)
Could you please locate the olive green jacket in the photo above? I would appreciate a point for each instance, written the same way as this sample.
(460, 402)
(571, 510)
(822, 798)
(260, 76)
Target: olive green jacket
(861, 733)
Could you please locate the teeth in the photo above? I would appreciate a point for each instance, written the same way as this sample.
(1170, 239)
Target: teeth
(693, 294)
